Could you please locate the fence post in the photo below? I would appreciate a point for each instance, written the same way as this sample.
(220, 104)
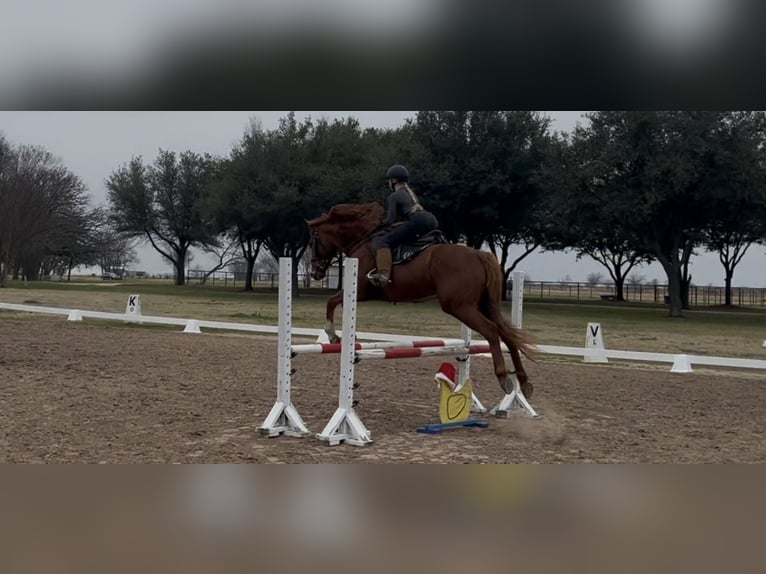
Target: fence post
(517, 296)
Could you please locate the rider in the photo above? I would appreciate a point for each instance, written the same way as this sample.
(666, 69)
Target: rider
(403, 205)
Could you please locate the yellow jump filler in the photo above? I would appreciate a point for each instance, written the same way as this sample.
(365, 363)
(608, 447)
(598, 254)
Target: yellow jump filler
(454, 403)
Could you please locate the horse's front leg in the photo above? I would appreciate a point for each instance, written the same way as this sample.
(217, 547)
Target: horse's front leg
(337, 299)
(329, 326)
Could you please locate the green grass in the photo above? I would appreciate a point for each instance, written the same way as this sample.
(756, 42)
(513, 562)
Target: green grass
(630, 327)
(142, 286)
(650, 329)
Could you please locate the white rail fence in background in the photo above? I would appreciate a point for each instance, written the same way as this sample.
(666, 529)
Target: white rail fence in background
(201, 323)
(681, 362)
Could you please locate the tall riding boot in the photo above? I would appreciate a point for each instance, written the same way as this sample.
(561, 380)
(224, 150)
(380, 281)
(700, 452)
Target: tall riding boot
(382, 274)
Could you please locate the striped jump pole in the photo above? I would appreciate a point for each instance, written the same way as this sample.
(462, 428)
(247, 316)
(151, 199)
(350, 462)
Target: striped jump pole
(284, 417)
(334, 348)
(412, 353)
(408, 349)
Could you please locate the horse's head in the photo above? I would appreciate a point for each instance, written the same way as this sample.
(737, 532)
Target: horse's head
(342, 229)
(322, 248)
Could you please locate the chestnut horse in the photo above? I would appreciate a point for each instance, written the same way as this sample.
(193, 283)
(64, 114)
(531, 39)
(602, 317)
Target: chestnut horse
(467, 282)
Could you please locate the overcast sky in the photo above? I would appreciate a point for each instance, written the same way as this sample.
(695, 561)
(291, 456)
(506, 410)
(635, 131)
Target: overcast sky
(93, 144)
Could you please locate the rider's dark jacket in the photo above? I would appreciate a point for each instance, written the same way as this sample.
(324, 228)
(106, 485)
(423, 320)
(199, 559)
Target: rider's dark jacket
(401, 204)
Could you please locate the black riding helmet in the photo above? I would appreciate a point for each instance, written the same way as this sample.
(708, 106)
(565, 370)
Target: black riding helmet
(398, 172)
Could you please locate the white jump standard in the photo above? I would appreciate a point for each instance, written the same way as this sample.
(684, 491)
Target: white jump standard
(284, 417)
(345, 425)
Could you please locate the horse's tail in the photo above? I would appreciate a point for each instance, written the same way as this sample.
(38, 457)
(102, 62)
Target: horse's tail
(493, 292)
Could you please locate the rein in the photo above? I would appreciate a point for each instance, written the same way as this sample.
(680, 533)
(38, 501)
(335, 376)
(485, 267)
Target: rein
(360, 242)
(347, 251)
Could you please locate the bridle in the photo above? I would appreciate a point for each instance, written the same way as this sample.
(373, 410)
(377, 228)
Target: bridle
(317, 264)
(321, 264)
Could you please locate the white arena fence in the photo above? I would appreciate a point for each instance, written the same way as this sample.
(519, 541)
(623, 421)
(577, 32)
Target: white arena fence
(194, 325)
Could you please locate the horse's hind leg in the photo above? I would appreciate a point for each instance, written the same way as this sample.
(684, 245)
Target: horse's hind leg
(473, 318)
(504, 328)
(526, 387)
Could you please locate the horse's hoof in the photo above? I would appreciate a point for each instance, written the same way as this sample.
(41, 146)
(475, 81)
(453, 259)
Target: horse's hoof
(506, 383)
(527, 388)
(335, 340)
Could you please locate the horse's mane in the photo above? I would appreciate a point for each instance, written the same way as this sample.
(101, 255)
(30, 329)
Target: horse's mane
(354, 219)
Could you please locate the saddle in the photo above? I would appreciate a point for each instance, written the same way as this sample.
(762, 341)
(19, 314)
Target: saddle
(408, 251)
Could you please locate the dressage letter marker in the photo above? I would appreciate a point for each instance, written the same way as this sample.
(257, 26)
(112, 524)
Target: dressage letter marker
(133, 309)
(594, 344)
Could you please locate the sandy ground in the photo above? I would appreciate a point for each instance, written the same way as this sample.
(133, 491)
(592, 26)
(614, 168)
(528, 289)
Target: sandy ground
(97, 393)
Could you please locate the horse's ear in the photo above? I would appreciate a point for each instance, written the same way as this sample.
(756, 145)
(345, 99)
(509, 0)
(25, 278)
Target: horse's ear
(317, 220)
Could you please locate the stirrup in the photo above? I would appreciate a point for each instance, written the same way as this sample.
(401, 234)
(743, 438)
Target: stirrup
(377, 279)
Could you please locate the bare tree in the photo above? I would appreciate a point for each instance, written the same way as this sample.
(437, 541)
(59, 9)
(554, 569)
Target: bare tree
(304, 269)
(594, 278)
(225, 254)
(251, 248)
(114, 250)
(266, 263)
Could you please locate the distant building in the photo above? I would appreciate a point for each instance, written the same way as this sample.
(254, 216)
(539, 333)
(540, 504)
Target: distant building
(134, 274)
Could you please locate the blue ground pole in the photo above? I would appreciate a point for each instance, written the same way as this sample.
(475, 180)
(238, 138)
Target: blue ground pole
(437, 428)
